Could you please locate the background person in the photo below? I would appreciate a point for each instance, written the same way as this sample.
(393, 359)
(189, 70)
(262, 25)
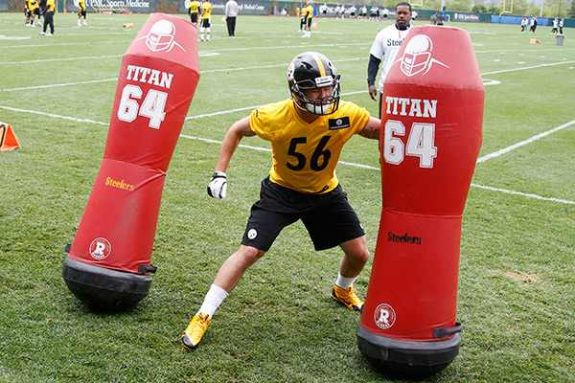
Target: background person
(385, 47)
(231, 12)
(49, 18)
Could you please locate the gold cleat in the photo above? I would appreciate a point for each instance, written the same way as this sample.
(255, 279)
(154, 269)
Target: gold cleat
(196, 330)
(347, 297)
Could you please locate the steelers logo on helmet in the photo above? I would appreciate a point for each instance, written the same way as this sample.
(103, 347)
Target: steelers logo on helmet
(308, 72)
(161, 37)
(417, 57)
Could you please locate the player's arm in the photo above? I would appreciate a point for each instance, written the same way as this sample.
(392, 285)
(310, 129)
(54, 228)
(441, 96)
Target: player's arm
(376, 54)
(234, 135)
(218, 186)
(371, 129)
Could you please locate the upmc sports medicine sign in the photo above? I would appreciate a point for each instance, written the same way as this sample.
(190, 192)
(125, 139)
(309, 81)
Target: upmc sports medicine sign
(136, 6)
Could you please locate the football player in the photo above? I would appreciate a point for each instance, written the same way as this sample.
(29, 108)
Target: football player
(307, 133)
(307, 16)
(385, 47)
(193, 10)
(49, 18)
(205, 26)
(33, 11)
(82, 13)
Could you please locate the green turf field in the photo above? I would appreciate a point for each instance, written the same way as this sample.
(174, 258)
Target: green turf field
(517, 276)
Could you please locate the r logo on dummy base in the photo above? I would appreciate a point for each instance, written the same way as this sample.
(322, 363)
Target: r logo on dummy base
(384, 316)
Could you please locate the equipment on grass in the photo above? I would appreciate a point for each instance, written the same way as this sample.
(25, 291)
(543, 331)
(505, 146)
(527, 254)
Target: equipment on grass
(8, 139)
(432, 112)
(109, 262)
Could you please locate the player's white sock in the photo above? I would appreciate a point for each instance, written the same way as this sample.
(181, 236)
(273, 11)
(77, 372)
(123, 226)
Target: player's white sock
(344, 282)
(209, 33)
(79, 22)
(213, 300)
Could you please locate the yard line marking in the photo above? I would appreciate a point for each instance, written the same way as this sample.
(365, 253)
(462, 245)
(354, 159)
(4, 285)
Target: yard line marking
(369, 167)
(526, 195)
(262, 149)
(58, 85)
(232, 69)
(486, 82)
(527, 67)
(201, 54)
(107, 42)
(527, 141)
(53, 115)
(57, 59)
(230, 111)
(267, 66)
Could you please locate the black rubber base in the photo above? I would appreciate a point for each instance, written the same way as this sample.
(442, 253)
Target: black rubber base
(407, 359)
(104, 289)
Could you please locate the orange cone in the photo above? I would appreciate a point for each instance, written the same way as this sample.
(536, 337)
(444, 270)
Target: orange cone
(8, 139)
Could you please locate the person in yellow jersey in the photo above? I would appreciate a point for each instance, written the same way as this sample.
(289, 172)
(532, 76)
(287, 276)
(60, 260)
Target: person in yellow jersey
(307, 133)
(82, 13)
(33, 11)
(49, 18)
(193, 10)
(27, 13)
(307, 14)
(205, 26)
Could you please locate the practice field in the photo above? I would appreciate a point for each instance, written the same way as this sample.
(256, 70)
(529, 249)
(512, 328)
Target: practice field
(517, 275)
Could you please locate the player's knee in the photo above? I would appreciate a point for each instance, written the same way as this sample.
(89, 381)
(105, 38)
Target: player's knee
(362, 255)
(249, 255)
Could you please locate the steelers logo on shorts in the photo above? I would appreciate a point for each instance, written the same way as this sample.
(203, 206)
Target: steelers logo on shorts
(252, 233)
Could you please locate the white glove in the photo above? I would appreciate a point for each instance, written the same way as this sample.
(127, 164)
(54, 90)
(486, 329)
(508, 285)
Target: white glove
(218, 185)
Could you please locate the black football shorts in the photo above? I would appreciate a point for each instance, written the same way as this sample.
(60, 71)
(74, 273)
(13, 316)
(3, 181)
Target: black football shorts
(329, 218)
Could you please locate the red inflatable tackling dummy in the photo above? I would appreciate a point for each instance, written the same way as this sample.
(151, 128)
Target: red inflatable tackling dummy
(109, 261)
(432, 114)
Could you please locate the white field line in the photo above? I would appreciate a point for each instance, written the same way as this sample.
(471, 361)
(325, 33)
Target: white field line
(51, 115)
(201, 53)
(526, 195)
(527, 67)
(527, 141)
(58, 85)
(263, 149)
(487, 83)
(57, 59)
(230, 111)
(111, 79)
(103, 42)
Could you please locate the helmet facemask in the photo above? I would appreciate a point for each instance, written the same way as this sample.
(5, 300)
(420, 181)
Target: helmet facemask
(325, 105)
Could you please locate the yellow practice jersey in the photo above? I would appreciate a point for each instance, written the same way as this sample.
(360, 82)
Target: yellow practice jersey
(206, 10)
(194, 6)
(51, 5)
(82, 4)
(33, 4)
(307, 11)
(304, 155)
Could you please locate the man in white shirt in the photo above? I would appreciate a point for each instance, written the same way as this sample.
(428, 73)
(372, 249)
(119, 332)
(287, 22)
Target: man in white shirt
(385, 47)
(231, 11)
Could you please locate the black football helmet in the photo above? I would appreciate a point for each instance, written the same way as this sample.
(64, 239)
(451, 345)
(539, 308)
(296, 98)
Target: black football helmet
(312, 70)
